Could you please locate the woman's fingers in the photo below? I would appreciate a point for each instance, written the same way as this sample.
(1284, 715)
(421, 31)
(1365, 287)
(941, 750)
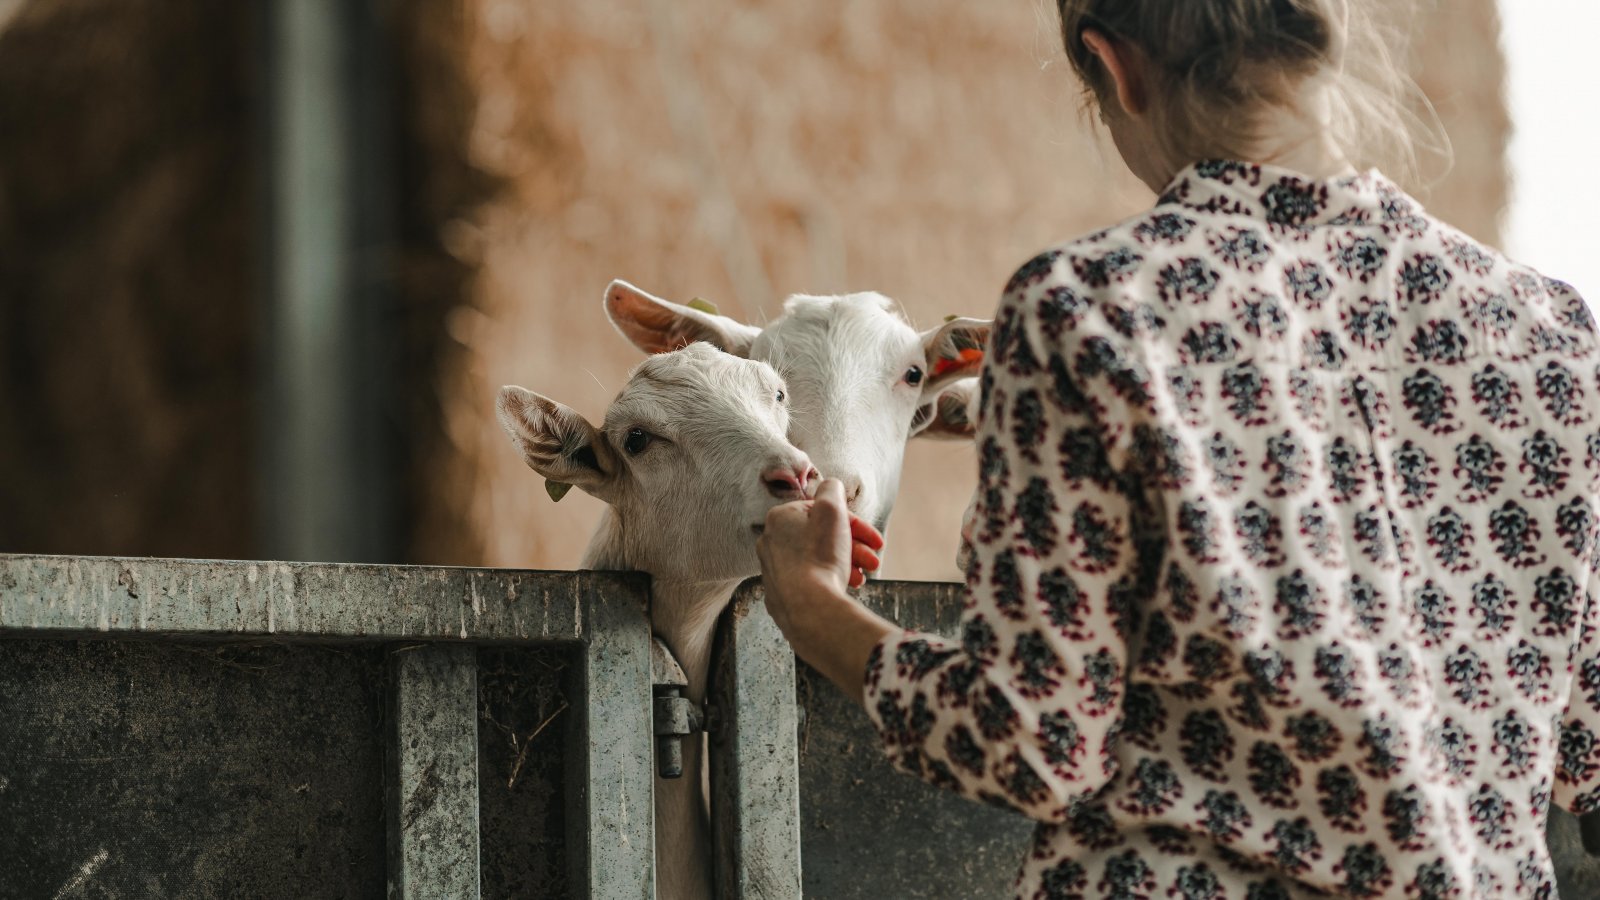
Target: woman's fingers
(862, 561)
(863, 558)
(810, 534)
(861, 531)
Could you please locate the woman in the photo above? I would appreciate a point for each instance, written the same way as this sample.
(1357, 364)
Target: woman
(1285, 526)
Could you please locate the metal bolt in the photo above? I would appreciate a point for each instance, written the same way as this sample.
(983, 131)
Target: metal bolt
(675, 718)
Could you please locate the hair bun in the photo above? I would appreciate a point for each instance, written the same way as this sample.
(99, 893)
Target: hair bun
(1222, 63)
(1212, 40)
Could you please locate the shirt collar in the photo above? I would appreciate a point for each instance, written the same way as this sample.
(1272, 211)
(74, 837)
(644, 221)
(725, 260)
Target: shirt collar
(1288, 199)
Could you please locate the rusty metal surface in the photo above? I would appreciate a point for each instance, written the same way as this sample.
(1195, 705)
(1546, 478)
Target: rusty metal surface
(135, 769)
(433, 798)
(755, 786)
(301, 600)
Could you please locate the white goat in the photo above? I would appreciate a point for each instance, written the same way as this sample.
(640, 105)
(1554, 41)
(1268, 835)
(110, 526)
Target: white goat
(863, 380)
(691, 456)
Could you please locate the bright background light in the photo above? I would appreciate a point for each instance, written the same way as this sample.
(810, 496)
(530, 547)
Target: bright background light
(1554, 95)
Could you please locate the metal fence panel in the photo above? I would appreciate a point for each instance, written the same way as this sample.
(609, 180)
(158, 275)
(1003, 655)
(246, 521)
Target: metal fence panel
(615, 791)
(222, 729)
(207, 729)
(869, 831)
(137, 769)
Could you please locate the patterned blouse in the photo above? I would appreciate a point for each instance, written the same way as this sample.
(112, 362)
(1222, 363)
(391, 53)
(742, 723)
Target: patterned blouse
(1281, 557)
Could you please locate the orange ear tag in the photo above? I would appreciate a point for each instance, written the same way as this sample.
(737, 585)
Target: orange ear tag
(962, 359)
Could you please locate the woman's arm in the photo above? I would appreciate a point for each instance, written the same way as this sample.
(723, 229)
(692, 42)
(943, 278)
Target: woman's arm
(810, 551)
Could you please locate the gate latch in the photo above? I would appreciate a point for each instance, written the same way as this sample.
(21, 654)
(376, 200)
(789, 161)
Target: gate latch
(676, 716)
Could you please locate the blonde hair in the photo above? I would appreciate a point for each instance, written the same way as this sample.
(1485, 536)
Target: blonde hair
(1223, 64)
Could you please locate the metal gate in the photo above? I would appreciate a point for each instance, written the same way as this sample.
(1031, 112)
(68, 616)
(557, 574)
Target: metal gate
(241, 729)
(233, 729)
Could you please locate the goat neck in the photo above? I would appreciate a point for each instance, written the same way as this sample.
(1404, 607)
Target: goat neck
(683, 611)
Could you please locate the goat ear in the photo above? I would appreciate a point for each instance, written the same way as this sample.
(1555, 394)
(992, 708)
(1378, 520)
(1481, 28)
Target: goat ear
(557, 443)
(655, 325)
(952, 416)
(954, 351)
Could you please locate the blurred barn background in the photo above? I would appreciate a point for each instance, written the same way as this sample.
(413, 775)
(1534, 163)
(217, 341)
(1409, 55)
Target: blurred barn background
(263, 264)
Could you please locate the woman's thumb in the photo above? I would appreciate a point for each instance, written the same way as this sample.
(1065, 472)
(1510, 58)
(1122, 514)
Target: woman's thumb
(828, 509)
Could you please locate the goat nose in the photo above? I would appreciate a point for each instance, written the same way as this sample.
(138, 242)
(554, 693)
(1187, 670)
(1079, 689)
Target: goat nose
(790, 481)
(852, 492)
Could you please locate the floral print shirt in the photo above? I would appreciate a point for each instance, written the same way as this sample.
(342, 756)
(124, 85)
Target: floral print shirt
(1282, 557)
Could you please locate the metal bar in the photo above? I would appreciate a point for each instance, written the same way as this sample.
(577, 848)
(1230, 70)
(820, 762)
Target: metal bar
(305, 601)
(433, 796)
(755, 762)
(324, 489)
(610, 758)
(924, 605)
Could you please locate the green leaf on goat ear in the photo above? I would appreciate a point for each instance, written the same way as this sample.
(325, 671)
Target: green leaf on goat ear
(704, 305)
(951, 318)
(556, 489)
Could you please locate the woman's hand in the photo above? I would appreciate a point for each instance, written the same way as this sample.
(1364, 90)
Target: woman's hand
(811, 551)
(818, 540)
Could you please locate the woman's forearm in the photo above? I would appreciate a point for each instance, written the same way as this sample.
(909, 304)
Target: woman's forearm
(809, 553)
(835, 636)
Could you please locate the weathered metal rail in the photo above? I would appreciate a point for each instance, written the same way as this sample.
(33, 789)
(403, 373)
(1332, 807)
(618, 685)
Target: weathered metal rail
(223, 729)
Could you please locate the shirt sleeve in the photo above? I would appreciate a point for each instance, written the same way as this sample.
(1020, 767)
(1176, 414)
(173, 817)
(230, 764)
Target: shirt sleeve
(1577, 787)
(1022, 710)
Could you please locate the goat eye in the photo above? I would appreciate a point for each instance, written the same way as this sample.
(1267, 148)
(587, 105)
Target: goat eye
(780, 396)
(914, 376)
(638, 439)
